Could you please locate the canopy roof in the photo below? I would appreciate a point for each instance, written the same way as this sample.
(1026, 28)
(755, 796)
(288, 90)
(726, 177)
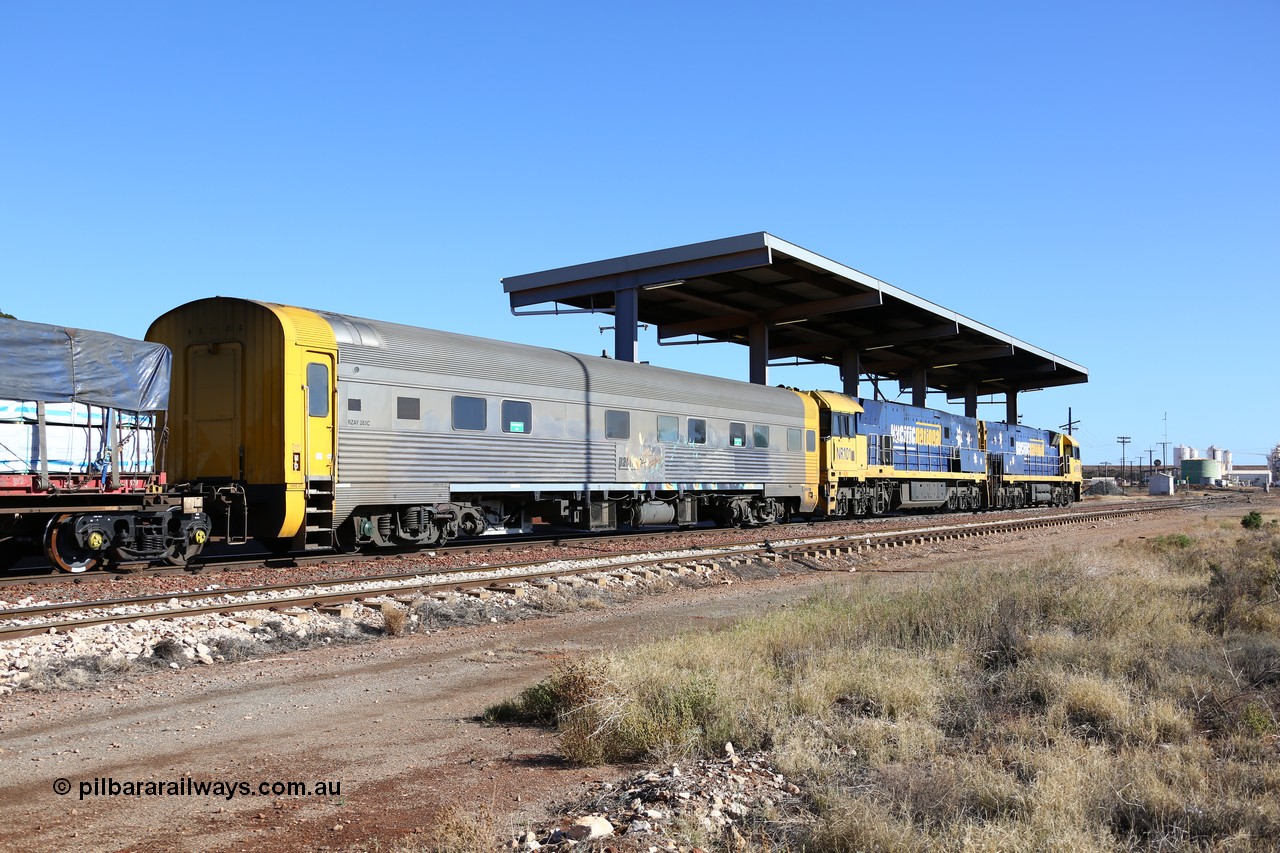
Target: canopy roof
(790, 303)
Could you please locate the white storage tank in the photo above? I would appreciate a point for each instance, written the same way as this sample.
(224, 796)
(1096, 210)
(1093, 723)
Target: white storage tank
(1182, 452)
(1214, 452)
(1226, 461)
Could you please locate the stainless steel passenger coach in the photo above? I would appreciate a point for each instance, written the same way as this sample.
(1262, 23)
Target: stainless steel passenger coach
(316, 429)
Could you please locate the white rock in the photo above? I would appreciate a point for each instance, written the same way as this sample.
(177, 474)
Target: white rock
(599, 827)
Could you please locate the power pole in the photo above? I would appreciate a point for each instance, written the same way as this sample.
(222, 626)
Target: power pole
(1164, 445)
(1124, 441)
(1070, 424)
(1150, 455)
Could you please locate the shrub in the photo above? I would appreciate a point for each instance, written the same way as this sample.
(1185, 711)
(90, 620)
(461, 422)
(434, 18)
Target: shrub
(1252, 521)
(1093, 701)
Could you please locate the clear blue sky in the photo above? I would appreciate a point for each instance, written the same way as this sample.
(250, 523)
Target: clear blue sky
(1101, 180)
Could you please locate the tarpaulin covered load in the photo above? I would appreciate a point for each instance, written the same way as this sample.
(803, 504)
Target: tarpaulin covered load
(53, 364)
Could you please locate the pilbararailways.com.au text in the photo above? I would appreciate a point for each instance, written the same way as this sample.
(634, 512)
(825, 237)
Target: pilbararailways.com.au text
(188, 787)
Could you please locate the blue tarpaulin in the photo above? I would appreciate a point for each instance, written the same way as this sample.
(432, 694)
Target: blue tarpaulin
(55, 364)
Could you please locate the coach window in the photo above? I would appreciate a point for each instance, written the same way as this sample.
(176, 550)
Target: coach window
(470, 413)
(697, 431)
(810, 441)
(760, 435)
(793, 440)
(408, 408)
(517, 416)
(318, 390)
(617, 424)
(668, 428)
(737, 435)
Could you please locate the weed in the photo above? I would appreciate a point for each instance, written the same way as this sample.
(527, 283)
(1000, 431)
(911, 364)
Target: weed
(394, 619)
(1100, 701)
(1172, 542)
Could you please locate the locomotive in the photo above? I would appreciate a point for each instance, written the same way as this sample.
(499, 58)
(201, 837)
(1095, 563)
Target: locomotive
(316, 430)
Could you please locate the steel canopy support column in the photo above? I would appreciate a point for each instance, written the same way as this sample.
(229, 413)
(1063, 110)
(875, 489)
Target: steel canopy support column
(626, 310)
(1011, 407)
(919, 386)
(971, 399)
(759, 352)
(850, 371)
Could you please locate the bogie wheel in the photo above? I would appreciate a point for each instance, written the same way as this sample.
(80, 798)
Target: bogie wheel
(63, 551)
(180, 555)
(344, 538)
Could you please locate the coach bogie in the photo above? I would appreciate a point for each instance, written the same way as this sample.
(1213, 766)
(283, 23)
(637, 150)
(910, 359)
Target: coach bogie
(744, 510)
(420, 525)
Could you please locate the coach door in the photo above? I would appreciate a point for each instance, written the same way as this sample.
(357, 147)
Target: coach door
(215, 439)
(319, 451)
(319, 437)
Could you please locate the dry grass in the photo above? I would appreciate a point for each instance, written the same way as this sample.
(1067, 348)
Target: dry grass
(1116, 699)
(454, 829)
(394, 618)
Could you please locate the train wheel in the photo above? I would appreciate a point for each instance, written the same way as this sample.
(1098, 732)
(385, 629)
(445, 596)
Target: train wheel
(344, 538)
(63, 551)
(181, 555)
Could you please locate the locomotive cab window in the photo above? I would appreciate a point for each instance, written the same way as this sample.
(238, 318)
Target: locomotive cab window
(668, 428)
(408, 408)
(737, 435)
(318, 390)
(517, 416)
(470, 413)
(697, 431)
(617, 424)
(760, 435)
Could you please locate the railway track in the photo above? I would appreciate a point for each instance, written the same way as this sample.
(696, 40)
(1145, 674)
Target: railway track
(809, 550)
(478, 548)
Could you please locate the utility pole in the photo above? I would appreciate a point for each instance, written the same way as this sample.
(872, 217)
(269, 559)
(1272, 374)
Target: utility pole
(1151, 451)
(1164, 445)
(1070, 424)
(1124, 441)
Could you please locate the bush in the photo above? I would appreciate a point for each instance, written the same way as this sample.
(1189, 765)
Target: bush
(1094, 701)
(1252, 521)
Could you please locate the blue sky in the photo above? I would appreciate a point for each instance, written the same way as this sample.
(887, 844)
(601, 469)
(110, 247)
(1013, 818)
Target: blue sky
(1098, 179)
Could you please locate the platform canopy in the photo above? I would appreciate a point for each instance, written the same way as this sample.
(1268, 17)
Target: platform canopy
(789, 304)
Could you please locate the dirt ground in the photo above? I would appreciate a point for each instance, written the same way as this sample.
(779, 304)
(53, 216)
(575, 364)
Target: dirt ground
(393, 721)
